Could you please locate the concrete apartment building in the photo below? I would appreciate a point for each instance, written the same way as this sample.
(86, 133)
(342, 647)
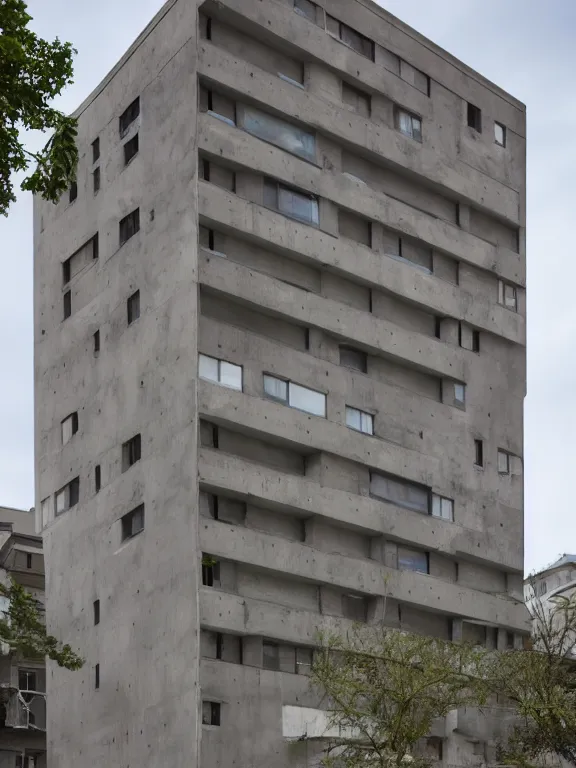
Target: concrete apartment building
(22, 680)
(280, 370)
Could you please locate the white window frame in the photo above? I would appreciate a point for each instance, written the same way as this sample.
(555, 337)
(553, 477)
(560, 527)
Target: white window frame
(401, 116)
(511, 301)
(365, 420)
(503, 456)
(442, 507)
(502, 127)
(223, 369)
(291, 388)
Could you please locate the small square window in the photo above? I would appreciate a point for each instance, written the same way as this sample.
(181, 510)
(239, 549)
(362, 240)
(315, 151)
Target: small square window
(130, 149)
(360, 420)
(133, 522)
(227, 374)
(475, 118)
(128, 116)
(131, 452)
(133, 307)
(67, 301)
(97, 478)
(95, 150)
(270, 656)
(275, 388)
(478, 453)
(69, 427)
(129, 226)
(354, 358)
(500, 134)
(96, 611)
(503, 462)
(442, 507)
(507, 295)
(210, 713)
(96, 179)
(408, 124)
(413, 560)
(459, 393)
(73, 192)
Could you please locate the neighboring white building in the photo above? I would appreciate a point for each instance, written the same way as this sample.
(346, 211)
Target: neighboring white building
(557, 579)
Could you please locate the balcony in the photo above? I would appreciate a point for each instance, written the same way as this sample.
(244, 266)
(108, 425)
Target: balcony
(25, 709)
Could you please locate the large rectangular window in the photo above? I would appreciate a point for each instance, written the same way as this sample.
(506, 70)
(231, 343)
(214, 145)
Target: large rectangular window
(68, 496)
(133, 522)
(219, 371)
(358, 42)
(413, 560)
(128, 116)
(278, 132)
(128, 226)
(400, 492)
(290, 202)
(295, 396)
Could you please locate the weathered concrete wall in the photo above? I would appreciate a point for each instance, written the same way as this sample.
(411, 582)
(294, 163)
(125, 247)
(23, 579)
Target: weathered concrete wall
(406, 265)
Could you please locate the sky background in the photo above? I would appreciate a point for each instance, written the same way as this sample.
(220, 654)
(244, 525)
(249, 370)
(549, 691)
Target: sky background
(528, 47)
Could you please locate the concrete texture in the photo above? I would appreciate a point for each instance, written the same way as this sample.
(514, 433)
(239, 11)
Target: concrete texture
(402, 258)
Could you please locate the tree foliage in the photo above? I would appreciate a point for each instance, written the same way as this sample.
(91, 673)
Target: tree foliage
(22, 629)
(32, 72)
(384, 689)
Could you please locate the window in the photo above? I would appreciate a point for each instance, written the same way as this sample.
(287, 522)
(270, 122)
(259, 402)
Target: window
(67, 301)
(442, 507)
(97, 478)
(210, 713)
(28, 560)
(45, 511)
(131, 452)
(409, 125)
(509, 640)
(400, 492)
(459, 393)
(500, 134)
(354, 607)
(133, 307)
(354, 358)
(297, 205)
(96, 180)
(218, 175)
(360, 420)
(95, 150)
(133, 522)
(305, 8)
(96, 340)
(475, 118)
(69, 427)
(357, 100)
(503, 462)
(227, 374)
(68, 496)
(96, 611)
(478, 453)
(295, 396)
(27, 680)
(210, 571)
(97, 676)
(270, 656)
(218, 106)
(468, 338)
(413, 560)
(130, 149)
(73, 192)
(278, 132)
(507, 295)
(362, 45)
(128, 116)
(129, 225)
(304, 659)
(80, 259)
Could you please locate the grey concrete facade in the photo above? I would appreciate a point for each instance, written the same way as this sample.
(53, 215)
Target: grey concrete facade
(331, 215)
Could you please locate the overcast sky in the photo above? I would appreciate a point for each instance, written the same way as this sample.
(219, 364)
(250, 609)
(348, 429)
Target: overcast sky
(528, 48)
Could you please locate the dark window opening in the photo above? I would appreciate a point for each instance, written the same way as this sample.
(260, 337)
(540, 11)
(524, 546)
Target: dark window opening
(133, 522)
(128, 116)
(438, 327)
(131, 452)
(28, 560)
(206, 170)
(210, 572)
(208, 28)
(133, 307)
(210, 713)
(73, 193)
(97, 478)
(509, 640)
(97, 676)
(96, 179)
(475, 117)
(129, 225)
(219, 645)
(130, 149)
(95, 150)
(95, 246)
(27, 680)
(96, 338)
(67, 304)
(475, 341)
(478, 453)
(96, 607)
(354, 358)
